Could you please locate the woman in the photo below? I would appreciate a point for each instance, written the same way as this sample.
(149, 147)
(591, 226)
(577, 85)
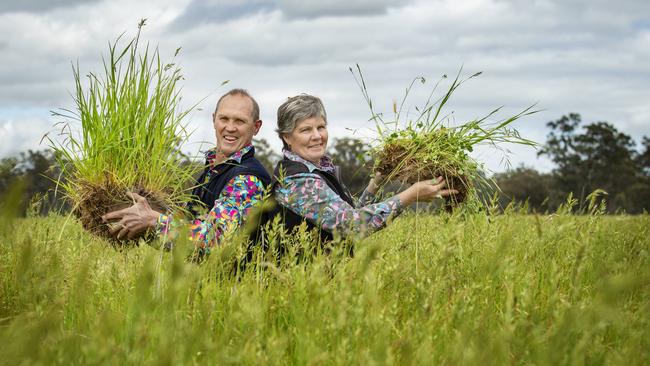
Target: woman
(307, 187)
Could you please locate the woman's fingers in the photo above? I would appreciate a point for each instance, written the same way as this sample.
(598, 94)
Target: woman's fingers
(439, 183)
(447, 192)
(438, 186)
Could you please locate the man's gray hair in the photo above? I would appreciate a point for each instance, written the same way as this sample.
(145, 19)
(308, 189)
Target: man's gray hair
(255, 113)
(296, 109)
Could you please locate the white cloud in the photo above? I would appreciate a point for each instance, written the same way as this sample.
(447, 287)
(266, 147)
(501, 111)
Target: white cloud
(317, 9)
(37, 5)
(22, 134)
(589, 57)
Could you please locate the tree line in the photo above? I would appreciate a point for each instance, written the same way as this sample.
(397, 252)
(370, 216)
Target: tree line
(587, 158)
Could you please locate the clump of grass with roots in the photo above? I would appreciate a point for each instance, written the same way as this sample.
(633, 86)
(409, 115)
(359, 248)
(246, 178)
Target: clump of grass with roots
(132, 128)
(428, 146)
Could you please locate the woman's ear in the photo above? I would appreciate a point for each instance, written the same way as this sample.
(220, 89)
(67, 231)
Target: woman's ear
(286, 143)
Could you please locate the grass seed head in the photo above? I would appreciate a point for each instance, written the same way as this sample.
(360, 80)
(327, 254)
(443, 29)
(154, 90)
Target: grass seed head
(131, 132)
(428, 147)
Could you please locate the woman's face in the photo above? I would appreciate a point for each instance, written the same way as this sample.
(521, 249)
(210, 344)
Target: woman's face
(308, 139)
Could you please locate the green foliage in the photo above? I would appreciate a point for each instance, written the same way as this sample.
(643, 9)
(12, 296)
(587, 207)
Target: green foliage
(506, 289)
(265, 154)
(598, 156)
(39, 172)
(131, 126)
(525, 184)
(428, 145)
(352, 156)
(643, 159)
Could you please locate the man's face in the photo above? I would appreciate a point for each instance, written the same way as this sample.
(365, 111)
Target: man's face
(233, 123)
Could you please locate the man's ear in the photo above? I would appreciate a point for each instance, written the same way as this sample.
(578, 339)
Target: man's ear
(258, 125)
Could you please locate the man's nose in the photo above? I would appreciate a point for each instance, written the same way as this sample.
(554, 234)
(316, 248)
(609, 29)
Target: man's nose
(230, 126)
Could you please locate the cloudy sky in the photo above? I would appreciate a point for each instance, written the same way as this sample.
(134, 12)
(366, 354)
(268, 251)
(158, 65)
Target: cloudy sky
(590, 57)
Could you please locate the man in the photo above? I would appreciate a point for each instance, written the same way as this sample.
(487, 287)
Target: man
(232, 182)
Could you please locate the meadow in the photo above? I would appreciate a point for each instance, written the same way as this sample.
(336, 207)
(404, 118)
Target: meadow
(506, 288)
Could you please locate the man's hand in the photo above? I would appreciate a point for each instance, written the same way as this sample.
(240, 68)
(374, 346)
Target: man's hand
(133, 220)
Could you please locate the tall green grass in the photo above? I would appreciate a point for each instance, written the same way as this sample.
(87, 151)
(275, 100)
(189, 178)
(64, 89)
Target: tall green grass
(127, 128)
(426, 143)
(550, 289)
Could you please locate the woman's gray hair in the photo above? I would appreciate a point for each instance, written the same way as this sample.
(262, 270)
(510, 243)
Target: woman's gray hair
(296, 109)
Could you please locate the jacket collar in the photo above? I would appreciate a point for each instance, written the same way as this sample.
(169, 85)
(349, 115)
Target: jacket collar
(325, 162)
(236, 157)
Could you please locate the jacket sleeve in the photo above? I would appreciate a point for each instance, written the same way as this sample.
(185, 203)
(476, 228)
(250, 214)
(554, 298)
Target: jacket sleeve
(239, 195)
(309, 196)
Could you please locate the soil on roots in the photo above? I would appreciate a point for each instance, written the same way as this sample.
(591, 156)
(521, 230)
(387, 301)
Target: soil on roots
(96, 200)
(397, 162)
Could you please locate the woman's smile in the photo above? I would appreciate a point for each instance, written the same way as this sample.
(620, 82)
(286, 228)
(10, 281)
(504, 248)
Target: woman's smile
(309, 139)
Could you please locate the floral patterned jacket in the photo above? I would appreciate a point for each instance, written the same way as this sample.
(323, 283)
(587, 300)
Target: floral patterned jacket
(239, 195)
(308, 195)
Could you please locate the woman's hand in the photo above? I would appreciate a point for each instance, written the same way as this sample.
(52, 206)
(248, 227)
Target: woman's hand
(133, 220)
(375, 182)
(425, 191)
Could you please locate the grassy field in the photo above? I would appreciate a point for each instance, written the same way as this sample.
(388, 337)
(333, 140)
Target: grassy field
(507, 289)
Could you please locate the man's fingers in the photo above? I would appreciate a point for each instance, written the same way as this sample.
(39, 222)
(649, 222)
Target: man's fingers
(134, 232)
(135, 209)
(122, 229)
(128, 225)
(123, 232)
(136, 228)
(114, 215)
(115, 228)
(136, 197)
